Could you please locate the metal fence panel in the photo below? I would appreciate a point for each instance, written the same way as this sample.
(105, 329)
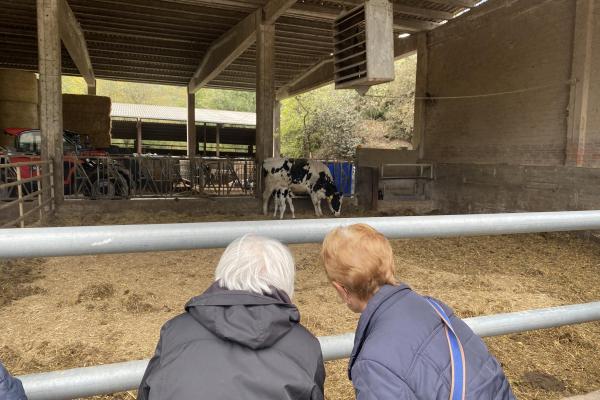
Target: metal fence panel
(111, 378)
(83, 240)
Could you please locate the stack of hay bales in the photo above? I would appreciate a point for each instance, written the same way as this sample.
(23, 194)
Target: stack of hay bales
(88, 115)
(18, 101)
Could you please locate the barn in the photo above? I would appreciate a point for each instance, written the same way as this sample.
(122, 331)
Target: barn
(506, 120)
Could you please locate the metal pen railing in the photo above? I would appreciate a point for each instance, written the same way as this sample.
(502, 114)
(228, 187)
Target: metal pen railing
(20, 184)
(70, 241)
(129, 176)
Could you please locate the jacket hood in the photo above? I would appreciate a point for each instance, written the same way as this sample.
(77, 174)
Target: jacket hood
(253, 320)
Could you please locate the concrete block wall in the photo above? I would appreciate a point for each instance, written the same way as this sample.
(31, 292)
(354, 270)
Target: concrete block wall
(470, 188)
(507, 152)
(505, 46)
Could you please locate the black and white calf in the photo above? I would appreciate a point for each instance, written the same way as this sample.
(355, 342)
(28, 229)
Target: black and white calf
(301, 176)
(280, 196)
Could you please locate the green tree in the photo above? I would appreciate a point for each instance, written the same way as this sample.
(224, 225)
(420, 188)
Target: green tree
(331, 123)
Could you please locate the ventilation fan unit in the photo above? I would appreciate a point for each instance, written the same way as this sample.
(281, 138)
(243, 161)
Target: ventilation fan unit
(364, 46)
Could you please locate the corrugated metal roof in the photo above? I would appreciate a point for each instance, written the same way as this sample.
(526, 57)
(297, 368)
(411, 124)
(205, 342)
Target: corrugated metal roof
(142, 111)
(164, 41)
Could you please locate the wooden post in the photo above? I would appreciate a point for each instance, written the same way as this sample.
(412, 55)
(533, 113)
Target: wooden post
(20, 197)
(50, 94)
(52, 202)
(138, 138)
(91, 90)
(191, 125)
(581, 67)
(265, 90)
(277, 129)
(265, 96)
(204, 151)
(40, 171)
(420, 93)
(218, 140)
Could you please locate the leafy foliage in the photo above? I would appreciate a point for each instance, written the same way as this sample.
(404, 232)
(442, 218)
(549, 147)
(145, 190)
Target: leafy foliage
(329, 123)
(174, 96)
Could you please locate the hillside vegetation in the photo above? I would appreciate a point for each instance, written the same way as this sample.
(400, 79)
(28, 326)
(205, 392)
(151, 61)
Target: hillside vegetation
(324, 123)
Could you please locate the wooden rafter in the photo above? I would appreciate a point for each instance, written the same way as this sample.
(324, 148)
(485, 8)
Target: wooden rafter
(234, 42)
(74, 41)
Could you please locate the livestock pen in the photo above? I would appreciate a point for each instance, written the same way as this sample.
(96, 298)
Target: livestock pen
(96, 240)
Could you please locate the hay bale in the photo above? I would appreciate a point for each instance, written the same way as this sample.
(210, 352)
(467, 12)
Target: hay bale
(18, 101)
(88, 115)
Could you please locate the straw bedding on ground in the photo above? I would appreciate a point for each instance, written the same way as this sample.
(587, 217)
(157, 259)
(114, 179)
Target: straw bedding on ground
(64, 312)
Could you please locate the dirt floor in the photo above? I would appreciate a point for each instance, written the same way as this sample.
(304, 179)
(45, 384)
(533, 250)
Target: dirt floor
(58, 313)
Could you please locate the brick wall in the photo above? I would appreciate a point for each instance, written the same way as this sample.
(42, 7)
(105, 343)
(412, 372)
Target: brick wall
(507, 152)
(504, 46)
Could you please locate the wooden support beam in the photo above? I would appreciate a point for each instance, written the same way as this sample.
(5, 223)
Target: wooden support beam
(276, 128)
(138, 138)
(409, 10)
(265, 91)
(50, 95)
(581, 68)
(191, 125)
(218, 140)
(204, 149)
(275, 9)
(224, 50)
(457, 3)
(315, 77)
(234, 42)
(418, 140)
(74, 41)
(321, 73)
(91, 90)
(413, 25)
(422, 12)
(328, 14)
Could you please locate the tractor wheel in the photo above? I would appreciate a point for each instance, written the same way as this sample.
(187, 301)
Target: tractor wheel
(103, 188)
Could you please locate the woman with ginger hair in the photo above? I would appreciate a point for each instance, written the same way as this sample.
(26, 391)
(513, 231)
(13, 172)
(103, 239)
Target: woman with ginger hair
(407, 346)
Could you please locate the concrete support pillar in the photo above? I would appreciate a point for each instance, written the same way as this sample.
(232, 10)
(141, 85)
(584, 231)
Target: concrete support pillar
(50, 94)
(581, 75)
(91, 90)
(192, 140)
(418, 140)
(218, 140)
(277, 129)
(265, 90)
(138, 137)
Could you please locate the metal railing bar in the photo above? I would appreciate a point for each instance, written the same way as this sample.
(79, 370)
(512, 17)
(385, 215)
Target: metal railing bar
(22, 181)
(118, 377)
(88, 240)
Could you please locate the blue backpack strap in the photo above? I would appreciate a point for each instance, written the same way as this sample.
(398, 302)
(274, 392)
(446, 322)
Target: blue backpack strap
(457, 355)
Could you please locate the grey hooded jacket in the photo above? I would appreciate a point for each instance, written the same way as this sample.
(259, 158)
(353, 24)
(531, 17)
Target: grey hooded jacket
(401, 352)
(10, 387)
(235, 345)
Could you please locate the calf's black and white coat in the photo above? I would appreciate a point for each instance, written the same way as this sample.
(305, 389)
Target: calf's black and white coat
(301, 176)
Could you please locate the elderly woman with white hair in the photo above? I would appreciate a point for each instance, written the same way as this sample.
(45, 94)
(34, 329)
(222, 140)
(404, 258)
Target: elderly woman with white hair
(241, 338)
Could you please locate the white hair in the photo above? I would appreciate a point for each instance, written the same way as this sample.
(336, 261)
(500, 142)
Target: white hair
(253, 263)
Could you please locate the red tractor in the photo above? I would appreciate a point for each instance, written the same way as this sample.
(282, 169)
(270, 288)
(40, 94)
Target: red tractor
(87, 172)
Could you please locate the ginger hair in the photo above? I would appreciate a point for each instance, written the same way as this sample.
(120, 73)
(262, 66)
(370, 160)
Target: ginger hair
(358, 258)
